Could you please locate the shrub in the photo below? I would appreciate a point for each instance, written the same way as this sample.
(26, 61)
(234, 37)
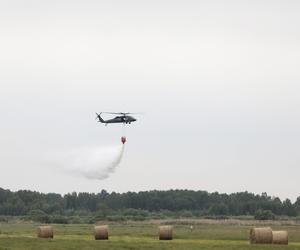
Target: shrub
(3, 219)
(39, 216)
(264, 215)
(58, 219)
(116, 218)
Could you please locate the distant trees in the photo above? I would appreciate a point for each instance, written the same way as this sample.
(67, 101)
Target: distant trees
(187, 203)
(296, 206)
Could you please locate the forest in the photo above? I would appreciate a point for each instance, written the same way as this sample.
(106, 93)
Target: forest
(89, 207)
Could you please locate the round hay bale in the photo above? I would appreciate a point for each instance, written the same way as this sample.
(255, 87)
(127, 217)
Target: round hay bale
(280, 237)
(165, 233)
(261, 235)
(101, 232)
(45, 232)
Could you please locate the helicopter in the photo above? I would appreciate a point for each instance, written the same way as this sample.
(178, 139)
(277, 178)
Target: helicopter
(123, 118)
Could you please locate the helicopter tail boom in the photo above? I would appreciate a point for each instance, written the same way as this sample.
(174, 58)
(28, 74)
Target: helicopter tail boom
(100, 118)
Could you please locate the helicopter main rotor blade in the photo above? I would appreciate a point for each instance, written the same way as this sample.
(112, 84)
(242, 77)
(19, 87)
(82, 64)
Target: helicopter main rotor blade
(121, 113)
(116, 113)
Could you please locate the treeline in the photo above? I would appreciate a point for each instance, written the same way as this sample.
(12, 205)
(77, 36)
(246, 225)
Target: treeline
(184, 203)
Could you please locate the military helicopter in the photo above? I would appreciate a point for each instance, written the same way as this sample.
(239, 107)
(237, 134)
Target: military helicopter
(123, 118)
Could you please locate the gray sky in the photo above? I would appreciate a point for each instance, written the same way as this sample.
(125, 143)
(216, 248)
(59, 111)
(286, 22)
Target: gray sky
(218, 81)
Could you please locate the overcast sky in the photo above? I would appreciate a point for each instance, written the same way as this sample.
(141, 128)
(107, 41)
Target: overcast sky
(218, 82)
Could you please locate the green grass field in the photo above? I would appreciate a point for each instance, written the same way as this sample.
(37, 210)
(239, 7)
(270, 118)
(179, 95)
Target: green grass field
(22, 236)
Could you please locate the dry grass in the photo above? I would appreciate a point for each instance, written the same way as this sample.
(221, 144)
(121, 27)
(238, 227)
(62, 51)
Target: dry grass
(254, 223)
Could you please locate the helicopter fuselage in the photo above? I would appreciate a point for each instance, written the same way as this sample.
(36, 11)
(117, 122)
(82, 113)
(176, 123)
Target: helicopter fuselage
(118, 119)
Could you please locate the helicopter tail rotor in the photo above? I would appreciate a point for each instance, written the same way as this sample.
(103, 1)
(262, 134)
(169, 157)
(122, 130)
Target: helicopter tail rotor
(99, 118)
